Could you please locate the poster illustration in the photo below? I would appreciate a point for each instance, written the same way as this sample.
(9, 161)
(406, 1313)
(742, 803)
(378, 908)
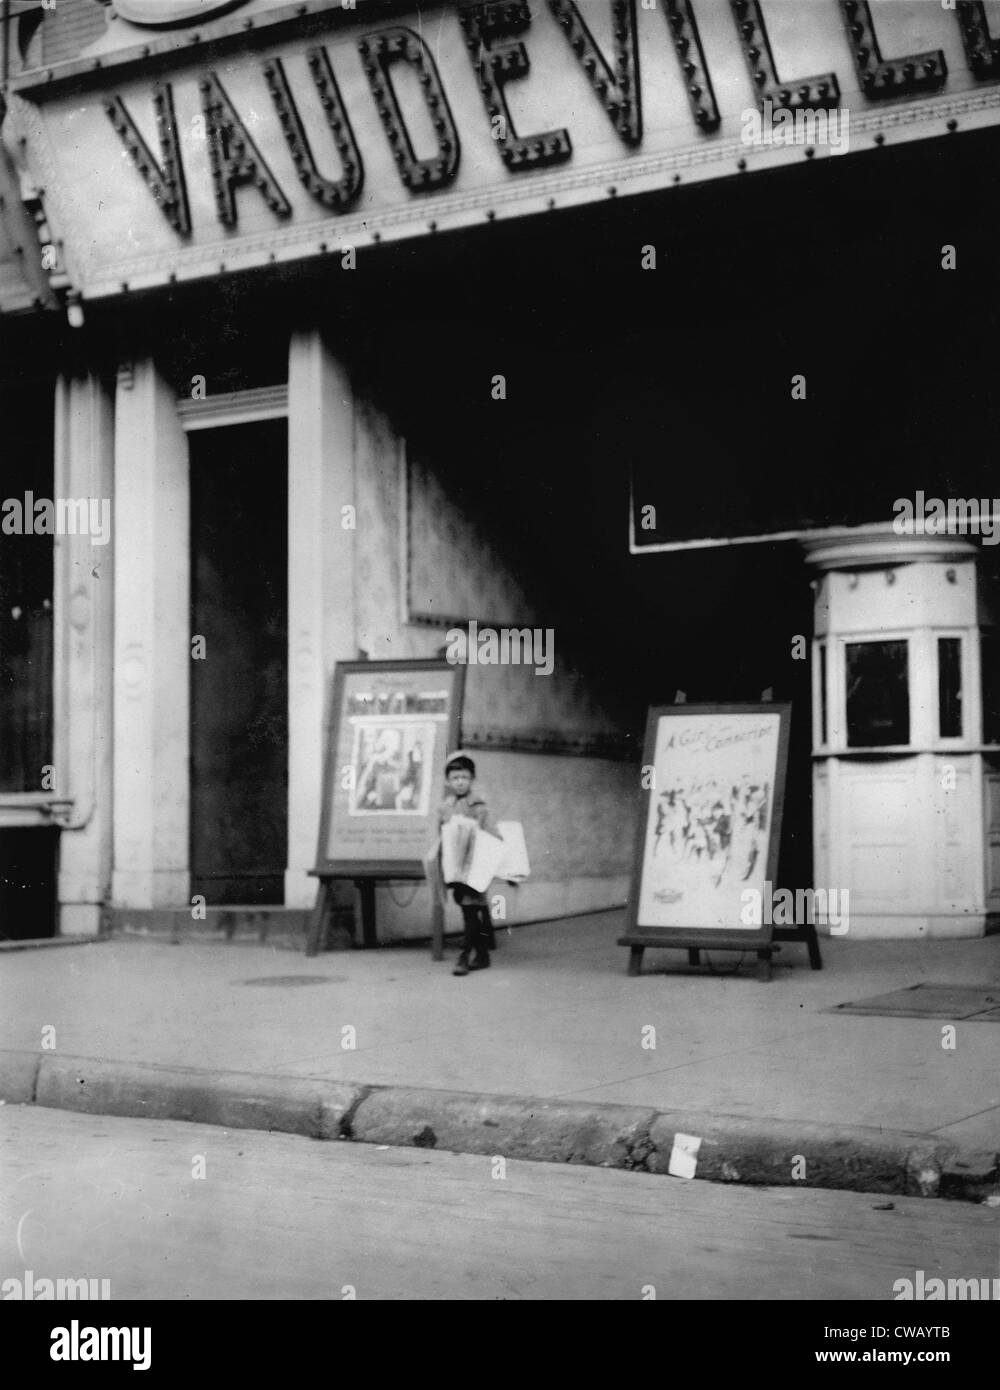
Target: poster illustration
(390, 727)
(391, 761)
(710, 822)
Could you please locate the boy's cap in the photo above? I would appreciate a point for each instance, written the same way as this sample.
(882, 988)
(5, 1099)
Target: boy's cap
(459, 759)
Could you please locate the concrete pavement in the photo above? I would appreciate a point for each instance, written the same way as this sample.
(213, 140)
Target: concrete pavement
(182, 1211)
(553, 1053)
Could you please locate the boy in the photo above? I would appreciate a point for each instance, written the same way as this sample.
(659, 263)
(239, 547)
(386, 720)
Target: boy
(461, 800)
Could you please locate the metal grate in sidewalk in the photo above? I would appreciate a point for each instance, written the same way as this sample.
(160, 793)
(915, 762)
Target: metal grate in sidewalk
(974, 1003)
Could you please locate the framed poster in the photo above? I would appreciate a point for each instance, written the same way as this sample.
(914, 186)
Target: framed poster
(391, 726)
(710, 824)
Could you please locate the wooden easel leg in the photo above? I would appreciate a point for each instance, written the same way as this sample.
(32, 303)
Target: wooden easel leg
(764, 966)
(437, 930)
(635, 960)
(812, 943)
(366, 888)
(694, 956)
(315, 933)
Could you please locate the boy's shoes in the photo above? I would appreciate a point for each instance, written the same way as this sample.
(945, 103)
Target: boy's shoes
(464, 965)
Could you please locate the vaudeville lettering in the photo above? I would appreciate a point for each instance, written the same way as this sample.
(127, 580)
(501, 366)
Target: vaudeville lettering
(982, 52)
(496, 64)
(618, 91)
(378, 54)
(821, 92)
(233, 156)
(166, 183)
(498, 56)
(920, 72)
(339, 193)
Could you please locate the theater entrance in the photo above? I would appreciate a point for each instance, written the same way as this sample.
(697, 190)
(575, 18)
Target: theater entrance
(239, 663)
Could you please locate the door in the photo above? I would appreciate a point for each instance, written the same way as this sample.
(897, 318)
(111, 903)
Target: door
(239, 667)
(28, 852)
(991, 785)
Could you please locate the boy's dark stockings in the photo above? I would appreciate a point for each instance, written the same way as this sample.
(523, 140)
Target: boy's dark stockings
(475, 954)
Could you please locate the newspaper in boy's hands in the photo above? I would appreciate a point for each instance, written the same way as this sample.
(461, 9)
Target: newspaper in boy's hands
(470, 854)
(457, 837)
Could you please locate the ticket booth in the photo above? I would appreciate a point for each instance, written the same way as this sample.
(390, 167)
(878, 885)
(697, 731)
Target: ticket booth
(906, 788)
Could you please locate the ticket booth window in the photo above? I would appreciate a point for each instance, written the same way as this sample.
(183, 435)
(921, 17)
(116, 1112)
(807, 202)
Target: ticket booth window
(949, 650)
(878, 695)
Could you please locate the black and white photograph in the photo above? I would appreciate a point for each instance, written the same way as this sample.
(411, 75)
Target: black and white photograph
(499, 668)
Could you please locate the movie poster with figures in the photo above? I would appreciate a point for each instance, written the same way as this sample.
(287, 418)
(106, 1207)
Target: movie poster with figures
(713, 785)
(391, 726)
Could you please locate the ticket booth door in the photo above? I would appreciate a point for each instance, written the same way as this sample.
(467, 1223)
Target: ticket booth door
(991, 788)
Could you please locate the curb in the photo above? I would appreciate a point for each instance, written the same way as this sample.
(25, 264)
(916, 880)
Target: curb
(715, 1148)
(38, 943)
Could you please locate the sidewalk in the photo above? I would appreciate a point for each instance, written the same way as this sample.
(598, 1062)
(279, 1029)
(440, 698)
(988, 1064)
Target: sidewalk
(758, 1071)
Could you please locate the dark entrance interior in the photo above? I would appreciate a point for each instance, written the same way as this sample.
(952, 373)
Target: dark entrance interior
(239, 680)
(28, 859)
(28, 855)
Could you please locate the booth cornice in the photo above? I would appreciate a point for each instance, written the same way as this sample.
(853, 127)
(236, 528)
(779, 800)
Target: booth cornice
(880, 545)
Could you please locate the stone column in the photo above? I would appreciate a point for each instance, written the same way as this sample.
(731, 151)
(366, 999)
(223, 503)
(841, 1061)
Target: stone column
(152, 644)
(321, 604)
(83, 651)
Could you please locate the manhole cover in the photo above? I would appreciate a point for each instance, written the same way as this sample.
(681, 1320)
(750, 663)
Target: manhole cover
(296, 980)
(975, 1003)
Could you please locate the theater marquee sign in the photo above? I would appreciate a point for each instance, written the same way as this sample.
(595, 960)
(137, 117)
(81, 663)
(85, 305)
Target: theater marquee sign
(198, 138)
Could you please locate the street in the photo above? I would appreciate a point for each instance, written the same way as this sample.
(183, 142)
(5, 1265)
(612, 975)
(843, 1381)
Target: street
(166, 1210)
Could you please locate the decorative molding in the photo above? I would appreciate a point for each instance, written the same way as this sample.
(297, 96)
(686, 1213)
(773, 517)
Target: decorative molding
(879, 545)
(34, 809)
(816, 539)
(616, 747)
(450, 620)
(949, 749)
(238, 408)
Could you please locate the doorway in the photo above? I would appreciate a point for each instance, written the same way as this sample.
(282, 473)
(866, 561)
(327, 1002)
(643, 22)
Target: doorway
(239, 666)
(991, 786)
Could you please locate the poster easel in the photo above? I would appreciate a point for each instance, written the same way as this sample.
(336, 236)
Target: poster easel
(390, 727)
(365, 886)
(805, 935)
(709, 833)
